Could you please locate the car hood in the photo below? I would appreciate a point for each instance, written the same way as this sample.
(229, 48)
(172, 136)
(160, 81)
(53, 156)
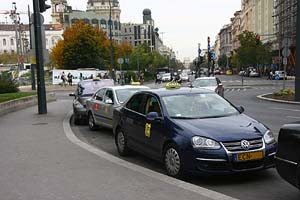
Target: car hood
(223, 129)
(212, 88)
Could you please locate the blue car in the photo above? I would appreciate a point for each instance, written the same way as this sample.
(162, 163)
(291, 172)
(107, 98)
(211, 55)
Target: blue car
(192, 130)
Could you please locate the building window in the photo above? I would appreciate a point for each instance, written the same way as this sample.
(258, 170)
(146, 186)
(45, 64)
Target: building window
(12, 51)
(4, 42)
(12, 42)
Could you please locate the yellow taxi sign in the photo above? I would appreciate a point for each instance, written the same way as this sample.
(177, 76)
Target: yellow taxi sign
(96, 79)
(173, 85)
(135, 83)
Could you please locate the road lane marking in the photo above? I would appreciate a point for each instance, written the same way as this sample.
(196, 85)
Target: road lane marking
(293, 117)
(275, 108)
(152, 174)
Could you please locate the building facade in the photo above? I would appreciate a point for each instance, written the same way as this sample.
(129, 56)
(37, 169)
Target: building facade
(226, 40)
(285, 15)
(99, 13)
(236, 29)
(247, 19)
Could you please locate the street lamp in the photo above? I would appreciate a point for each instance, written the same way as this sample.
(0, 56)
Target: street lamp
(110, 40)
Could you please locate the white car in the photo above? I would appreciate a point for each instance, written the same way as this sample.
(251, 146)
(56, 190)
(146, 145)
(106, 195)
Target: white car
(166, 77)
(253, 74)
(100, 107)
(185, 77)
(209, 83)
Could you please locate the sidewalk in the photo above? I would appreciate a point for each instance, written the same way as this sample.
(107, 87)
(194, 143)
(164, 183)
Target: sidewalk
(38, 162)
(49, 88)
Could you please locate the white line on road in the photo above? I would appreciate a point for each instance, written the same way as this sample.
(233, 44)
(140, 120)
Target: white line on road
(275, 108)
(293, 117)
(209, 194)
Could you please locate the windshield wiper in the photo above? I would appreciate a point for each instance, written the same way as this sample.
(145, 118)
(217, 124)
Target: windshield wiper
(179, 117)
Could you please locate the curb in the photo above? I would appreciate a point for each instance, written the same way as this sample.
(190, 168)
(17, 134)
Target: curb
(275, 100)
(18, 104)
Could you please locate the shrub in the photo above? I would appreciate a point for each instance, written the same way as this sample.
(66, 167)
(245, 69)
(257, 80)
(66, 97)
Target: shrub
(289, 92)
(7, 85)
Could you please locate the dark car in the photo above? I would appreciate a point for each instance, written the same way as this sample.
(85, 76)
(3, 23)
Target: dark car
(193, 130)
(85, 90)
(288, 153)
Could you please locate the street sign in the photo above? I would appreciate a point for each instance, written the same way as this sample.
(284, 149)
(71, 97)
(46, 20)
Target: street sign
(286, 42)
(276, 77)
(120, 61)
(286, 52)
(285, 61)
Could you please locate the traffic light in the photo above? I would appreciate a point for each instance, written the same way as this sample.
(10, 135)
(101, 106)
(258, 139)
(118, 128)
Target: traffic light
(257, 38)
(43, 6)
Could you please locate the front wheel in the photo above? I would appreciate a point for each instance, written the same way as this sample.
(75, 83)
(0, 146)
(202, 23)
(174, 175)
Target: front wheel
(172, 161)
(92, 125)
(121, 143)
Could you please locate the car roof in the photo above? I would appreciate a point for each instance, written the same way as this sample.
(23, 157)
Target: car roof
(180, 91)
(119, 87)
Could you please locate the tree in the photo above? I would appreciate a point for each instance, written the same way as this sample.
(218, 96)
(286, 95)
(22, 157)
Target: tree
(7, 58)
(251, 52)
(83, 46)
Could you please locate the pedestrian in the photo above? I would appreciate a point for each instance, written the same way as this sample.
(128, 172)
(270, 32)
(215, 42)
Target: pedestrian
(157, 78)
(70, 79)
(63, 78)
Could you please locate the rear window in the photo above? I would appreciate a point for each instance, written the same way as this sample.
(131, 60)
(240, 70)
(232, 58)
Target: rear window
(87, 88)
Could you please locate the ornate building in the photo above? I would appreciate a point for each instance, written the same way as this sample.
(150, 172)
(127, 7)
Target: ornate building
(236, 29)
(98, 13)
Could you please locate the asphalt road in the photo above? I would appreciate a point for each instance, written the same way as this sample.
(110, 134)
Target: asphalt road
(260, 185)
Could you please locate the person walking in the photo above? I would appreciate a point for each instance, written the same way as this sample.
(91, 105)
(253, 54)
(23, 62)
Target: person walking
(70, 79)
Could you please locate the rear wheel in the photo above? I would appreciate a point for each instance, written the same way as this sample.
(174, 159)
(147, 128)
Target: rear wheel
(92, 125)
(172, 161)
(121, 143)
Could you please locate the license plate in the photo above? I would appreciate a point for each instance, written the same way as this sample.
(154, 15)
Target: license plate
(249, 156)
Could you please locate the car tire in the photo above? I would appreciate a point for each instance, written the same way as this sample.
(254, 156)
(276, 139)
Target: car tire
(91, 122)
(172, 161)
(121, 143)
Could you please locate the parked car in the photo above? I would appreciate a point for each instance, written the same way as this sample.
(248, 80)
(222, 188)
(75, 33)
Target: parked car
(210, 83)
(287, 157)
(254, 73)
(280, 74)
(100, 106)
(185, 77)
(242, 73)
(85, 90)
(192, 130)
(166, 77)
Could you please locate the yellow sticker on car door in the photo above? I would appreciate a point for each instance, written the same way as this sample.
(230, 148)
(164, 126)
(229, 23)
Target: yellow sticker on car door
(148, 130)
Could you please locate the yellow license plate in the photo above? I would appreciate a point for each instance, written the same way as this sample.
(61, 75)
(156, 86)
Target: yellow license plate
(250, 156)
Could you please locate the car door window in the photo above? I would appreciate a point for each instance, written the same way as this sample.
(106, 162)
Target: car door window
(99, 95)
(135, 103)
(152, 105)
(109, 95)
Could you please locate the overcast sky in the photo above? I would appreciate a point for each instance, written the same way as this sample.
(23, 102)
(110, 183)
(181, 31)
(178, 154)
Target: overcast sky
(184, 23)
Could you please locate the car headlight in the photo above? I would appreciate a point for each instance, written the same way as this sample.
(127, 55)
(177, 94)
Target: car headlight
(77, 104)
(204, 143)
(269, 137)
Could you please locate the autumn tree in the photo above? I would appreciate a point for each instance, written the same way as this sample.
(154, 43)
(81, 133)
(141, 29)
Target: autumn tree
(83, 46)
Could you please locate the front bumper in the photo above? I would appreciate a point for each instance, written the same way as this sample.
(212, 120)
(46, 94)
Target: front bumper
(210, 162)
(80, 113)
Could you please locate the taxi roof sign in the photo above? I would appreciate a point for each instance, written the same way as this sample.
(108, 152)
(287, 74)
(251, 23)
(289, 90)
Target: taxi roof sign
(173, 85)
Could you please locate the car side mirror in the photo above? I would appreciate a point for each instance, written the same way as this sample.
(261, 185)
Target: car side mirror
(72, 94)
(108, 101)
(153, 116)
(240, 109)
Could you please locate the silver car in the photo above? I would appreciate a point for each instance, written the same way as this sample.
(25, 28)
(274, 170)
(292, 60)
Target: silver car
(210, 83)
(100, 107)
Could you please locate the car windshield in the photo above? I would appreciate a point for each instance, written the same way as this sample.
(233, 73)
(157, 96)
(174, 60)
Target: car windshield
(198, 106)
(88, 88)
(124, 94)
(204, 82)
(166, 75)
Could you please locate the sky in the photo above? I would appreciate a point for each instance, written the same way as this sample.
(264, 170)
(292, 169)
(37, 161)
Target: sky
(183, 24)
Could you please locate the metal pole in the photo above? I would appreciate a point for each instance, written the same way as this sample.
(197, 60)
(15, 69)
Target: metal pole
(297, 67)
(42, 104)
(15, 18)
(30, 43)
(111, 47)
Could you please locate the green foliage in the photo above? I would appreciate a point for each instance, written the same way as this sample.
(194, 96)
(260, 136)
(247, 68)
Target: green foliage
(222, 61)
(130, 75)
(7, 85)
(12, 96)
(7, 58)
(250, 53)
(288, 92)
